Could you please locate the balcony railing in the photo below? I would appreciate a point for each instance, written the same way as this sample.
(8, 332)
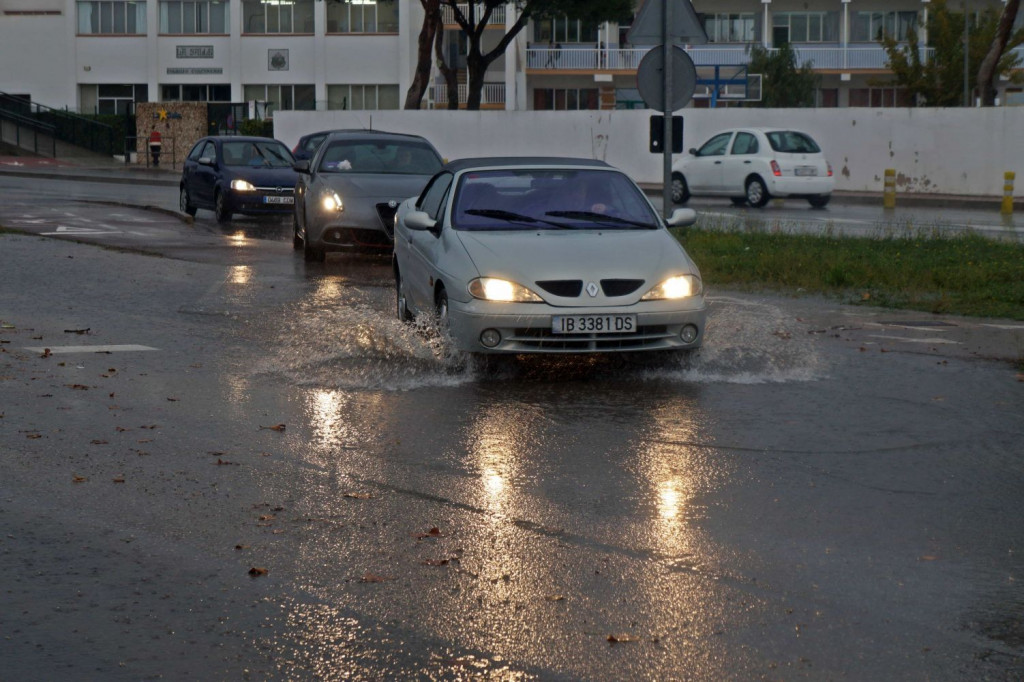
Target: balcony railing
(593, 59)
(497, 17)
(493, 94)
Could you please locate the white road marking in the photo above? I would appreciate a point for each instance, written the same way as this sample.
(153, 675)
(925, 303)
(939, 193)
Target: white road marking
(909, 340)
(64, 229)
(1003, 326)
(55, 350)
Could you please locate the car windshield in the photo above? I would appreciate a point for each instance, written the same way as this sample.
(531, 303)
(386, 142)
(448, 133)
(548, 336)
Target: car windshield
(379, 156)
(533, 199)
(791, 142)
(257, 154)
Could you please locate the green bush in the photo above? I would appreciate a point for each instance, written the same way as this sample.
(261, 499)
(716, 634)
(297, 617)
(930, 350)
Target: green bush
(256, 127)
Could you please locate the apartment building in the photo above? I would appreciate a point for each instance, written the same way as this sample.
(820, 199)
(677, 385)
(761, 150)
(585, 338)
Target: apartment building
(105, 55)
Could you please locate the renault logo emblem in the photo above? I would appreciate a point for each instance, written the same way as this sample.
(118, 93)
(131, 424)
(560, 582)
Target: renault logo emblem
(592, 289)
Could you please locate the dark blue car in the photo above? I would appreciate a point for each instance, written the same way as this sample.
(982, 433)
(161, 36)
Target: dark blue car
(235, 174)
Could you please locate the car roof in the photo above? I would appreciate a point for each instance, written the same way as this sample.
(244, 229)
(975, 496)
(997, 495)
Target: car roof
(521, 161)
(357, 133)
(241, 138)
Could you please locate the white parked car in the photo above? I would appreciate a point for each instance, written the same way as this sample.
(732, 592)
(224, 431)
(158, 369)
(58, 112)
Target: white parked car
(545, 255)
(752, 165)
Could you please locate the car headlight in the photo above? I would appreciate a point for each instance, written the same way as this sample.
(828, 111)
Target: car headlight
(493, 289)
(242, 186)
(673, 288)
(331, 202)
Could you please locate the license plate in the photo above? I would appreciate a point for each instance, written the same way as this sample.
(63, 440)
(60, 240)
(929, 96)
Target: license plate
(805, 170)
(278, 200)
(593, 324)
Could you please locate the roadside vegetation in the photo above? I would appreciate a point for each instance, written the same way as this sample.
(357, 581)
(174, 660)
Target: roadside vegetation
(959, 274)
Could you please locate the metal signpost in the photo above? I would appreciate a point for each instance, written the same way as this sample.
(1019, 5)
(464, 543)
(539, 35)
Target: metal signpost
(667, 21)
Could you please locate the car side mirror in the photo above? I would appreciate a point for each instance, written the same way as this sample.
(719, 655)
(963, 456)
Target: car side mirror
(682, 217)
(301, 167)
(418, 220)
(693, 151)
(206, 161)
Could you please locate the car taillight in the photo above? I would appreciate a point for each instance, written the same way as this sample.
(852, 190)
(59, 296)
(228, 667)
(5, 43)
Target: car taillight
(775, 169)
(829, 169)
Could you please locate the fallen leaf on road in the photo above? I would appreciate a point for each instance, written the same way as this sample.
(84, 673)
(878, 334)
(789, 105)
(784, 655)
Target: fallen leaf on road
(97, 441)
(241, 547)
(119, 479)
(79, 479)
(78, 387)
(372, 578)
(434, 532)
(223, 462)
(77, 331)
(46, 353)
(34, 436)
(256, 572)
(275, 427)
(554, 597)
(358, 496)
(435, 562)
(620, 639)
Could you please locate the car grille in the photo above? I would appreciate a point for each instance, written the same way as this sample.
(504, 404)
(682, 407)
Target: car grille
(646, 336)
(620, 287)
(572, 288)
(566, 288)
(386, 213)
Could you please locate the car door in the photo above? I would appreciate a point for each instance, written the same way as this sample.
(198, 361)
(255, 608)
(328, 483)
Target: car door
(423, 246)
(738, 164)
(704, 171)
(204, 176)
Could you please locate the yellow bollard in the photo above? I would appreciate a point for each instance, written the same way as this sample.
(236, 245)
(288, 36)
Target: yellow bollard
(889, 193)
(1008, 177)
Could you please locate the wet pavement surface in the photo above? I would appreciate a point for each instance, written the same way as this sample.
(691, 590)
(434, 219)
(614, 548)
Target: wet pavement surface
(252, 471)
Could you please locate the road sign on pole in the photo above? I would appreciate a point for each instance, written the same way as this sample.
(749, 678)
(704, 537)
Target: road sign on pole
(668, 21)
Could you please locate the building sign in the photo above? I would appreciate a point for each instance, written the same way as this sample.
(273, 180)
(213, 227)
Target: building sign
(194, 71)
(194, 51)
(277, 60)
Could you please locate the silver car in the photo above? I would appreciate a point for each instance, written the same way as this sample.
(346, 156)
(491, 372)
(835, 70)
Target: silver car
(347, 194)
(546, 255)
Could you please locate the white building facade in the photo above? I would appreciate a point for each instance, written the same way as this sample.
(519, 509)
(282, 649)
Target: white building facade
(102, 56)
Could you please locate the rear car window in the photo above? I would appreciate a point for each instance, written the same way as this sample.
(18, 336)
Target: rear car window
(792, 142)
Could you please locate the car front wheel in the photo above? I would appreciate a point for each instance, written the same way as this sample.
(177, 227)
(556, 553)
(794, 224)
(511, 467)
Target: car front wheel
(819, 200)
(220, 209)
(185, 203)
(757, 193)
(680, 190)
(401, 305)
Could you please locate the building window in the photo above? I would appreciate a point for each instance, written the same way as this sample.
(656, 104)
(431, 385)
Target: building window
(195, 93)
(120, 99)
(871, 26)
(880, 97)
(277, 16)
(193, 17)
(112, 18)
(282, 97)
(564, 30)
(731, 28)
(805, 27)
(368, 96)
(566, 99)
(368, 16)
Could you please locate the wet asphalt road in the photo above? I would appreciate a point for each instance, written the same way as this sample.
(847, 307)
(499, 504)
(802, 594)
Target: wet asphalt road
(828, 492)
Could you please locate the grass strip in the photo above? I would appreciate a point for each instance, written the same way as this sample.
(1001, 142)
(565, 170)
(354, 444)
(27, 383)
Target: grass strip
(960, 274)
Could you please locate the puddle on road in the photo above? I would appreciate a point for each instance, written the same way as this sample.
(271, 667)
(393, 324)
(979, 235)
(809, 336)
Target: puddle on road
(357, 345)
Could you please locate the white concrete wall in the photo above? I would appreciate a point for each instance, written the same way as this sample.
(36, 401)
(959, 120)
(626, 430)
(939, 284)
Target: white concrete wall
(946, 151)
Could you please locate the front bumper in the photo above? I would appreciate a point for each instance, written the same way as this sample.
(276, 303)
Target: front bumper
(370, 230)
(255, 203)
(526, 327)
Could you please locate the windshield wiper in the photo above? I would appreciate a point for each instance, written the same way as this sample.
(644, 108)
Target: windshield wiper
(601, 217)
(511, 217)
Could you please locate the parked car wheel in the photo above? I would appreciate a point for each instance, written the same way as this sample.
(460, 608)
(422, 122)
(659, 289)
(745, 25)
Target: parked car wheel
(185, 202)
(220, 208)
(680, 191)
(757, 193)
(819, 200)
